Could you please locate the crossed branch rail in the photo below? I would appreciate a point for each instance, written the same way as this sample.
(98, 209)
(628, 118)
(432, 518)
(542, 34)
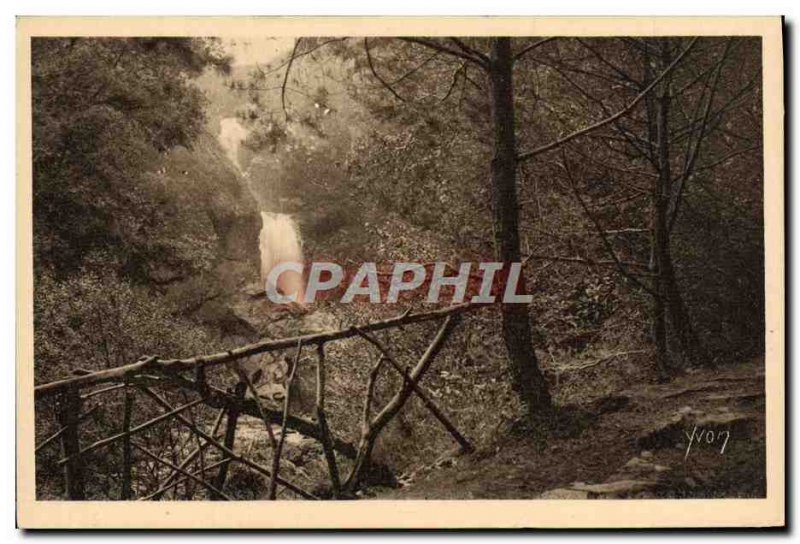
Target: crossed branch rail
(167, 366)
(152, 372)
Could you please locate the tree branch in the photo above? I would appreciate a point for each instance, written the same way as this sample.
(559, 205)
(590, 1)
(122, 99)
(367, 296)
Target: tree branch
(376, 75)
(587, 262)
(286, 77)
(303, 54)
(416, 68)
(692, 152)
(470, 50)
(608, 120)
(616, 69)
(531, 47)
(601, 233)
(627, 135)
(725, 158)
(444, 49)
(459, 70)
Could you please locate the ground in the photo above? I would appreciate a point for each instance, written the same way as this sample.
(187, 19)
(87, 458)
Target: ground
(634, 444)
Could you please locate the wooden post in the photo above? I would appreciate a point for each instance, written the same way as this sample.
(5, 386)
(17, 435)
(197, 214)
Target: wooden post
(230, 437)
(368, 438)
(287, 401)
(172, 480)
(68, 411)
(325, 437)
(127, 453)
(424, 397)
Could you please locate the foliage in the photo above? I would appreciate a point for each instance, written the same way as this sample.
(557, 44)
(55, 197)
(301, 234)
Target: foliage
(102, 110)
(101, 321)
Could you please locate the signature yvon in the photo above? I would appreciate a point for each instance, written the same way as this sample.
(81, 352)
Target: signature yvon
(699, 436)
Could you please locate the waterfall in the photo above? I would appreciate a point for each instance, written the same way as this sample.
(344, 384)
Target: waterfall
(279, 240)
(231, 136)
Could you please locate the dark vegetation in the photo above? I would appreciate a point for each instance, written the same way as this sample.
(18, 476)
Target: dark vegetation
(625, 172)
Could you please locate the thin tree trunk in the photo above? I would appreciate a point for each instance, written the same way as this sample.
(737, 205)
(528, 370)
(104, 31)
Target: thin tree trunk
(660, 226)
(659, 315)
(672, 301)
(127, 453)
(68, 410)
(527, 379)
(655, 137)
(679, 317)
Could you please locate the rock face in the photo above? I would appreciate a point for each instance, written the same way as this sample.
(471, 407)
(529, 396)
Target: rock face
(220, 289)
(218, 227)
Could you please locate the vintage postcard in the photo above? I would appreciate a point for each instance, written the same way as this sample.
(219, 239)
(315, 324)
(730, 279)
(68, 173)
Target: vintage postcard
(400, 272)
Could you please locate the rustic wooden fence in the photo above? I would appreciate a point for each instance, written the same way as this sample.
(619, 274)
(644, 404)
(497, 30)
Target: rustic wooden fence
(76, 400)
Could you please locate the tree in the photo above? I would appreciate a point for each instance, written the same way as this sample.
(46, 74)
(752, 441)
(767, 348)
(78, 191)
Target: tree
(527, 379)
(681, 127)
(102, 110)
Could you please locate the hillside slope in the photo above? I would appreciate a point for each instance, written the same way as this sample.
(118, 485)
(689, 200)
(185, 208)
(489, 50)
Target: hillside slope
(219, 220)
(633, 445)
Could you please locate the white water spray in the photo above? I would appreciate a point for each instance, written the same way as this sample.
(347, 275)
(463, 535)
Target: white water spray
(279, 243)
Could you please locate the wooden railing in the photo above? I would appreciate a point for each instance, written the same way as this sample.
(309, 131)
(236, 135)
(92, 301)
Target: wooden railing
(78, 399)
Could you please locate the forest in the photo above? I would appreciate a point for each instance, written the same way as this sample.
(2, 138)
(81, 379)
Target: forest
(623, 176)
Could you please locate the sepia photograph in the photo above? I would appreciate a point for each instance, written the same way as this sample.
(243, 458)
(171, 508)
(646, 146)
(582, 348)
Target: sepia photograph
(512, 263)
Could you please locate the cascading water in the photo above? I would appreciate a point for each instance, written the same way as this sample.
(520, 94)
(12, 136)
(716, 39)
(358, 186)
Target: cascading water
(231, 136)
(279, 240)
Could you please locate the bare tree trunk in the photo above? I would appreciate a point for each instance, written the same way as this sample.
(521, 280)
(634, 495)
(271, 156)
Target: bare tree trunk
(679, 317)
(660, 237)
(68, 411)
(127, 454)
(672, 300)
(659, 314)
(527, 379)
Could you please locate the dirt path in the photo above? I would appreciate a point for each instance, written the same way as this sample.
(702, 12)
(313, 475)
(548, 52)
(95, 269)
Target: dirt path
(701, 435)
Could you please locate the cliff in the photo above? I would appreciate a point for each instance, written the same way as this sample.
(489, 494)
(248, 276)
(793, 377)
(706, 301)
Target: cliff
(218, 221)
